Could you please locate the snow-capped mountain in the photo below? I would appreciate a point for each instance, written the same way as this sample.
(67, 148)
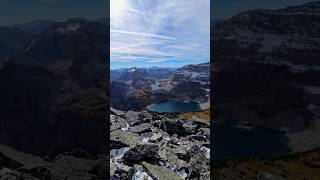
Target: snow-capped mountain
(140, 86)
(200, 72)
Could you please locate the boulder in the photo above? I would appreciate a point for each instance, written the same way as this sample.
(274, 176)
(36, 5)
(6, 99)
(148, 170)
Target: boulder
(201, 122)
(141, 152)
(119, 138)
(133, 118)
(199, 165)
(173, 127)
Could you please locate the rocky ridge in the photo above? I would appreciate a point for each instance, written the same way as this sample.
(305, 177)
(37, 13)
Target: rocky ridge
(153, 146)
(77, 164)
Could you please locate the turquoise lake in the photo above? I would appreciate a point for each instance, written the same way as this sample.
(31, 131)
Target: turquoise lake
(174, 106)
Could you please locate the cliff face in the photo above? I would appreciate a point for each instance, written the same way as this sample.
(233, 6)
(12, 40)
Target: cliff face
(53, 95)
(11, 40)
(264, 62)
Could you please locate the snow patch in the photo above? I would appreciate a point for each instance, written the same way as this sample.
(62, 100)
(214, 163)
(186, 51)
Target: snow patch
(69, 27)
(161, 163)
(28, 47)
(144, 137)
(182, 173)
(126, 128)
(117, 153)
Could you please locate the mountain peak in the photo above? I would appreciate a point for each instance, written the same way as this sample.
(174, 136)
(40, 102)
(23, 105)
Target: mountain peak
(311, 7)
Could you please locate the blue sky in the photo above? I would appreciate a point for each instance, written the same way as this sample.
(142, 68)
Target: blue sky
(165, 33)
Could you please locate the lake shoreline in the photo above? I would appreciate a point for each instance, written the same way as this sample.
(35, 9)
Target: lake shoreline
(174, 106)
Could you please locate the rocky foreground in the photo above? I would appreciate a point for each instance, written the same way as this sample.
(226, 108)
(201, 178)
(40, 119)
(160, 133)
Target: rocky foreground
(292, 167)
(147, 145)
(78, 164)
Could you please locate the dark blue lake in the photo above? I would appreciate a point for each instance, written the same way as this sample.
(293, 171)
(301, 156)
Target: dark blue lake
(231, 142)
(174, 106)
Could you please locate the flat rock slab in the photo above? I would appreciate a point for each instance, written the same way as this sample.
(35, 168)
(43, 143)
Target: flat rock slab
(117, 112)
(160, 172)
(26, 160)
(155, 137)
(140, 128)
(201, 122)
(125, 137)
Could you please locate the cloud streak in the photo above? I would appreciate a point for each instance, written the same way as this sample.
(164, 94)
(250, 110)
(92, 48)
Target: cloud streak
(160, 32)
(140, 34)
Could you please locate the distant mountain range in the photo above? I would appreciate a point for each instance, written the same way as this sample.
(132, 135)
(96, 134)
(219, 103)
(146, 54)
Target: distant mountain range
(34, 27)
(141, 86)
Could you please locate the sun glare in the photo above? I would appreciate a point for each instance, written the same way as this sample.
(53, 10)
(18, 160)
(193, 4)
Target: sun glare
(117, 8)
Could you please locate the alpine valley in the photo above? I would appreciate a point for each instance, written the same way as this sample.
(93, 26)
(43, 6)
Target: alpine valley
(136, 88)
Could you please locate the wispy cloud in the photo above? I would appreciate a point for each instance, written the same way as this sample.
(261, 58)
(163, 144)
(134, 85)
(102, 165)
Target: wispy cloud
(141, 34)
(160, 31)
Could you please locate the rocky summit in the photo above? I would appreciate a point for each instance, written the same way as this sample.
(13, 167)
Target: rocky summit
(148, 145)
(77, 164)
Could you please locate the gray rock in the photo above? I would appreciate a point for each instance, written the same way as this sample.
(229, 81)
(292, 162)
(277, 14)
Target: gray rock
(133, 117)
(173, 127)
(181, 152)
(155, 137)
(119, 137)
(114, 126)
(116, 112)
(112, 168)
(160, 173)
(190, 128)
(122, 122)
(8, 174)
(198, 164)
(198, 137)
(204, 131)
(25, 160)
(141, 152)
(101, 168)
(141, 128)
(162, 154)
(64, 166)
(31, 167)
(268, 176)
(201, 122)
